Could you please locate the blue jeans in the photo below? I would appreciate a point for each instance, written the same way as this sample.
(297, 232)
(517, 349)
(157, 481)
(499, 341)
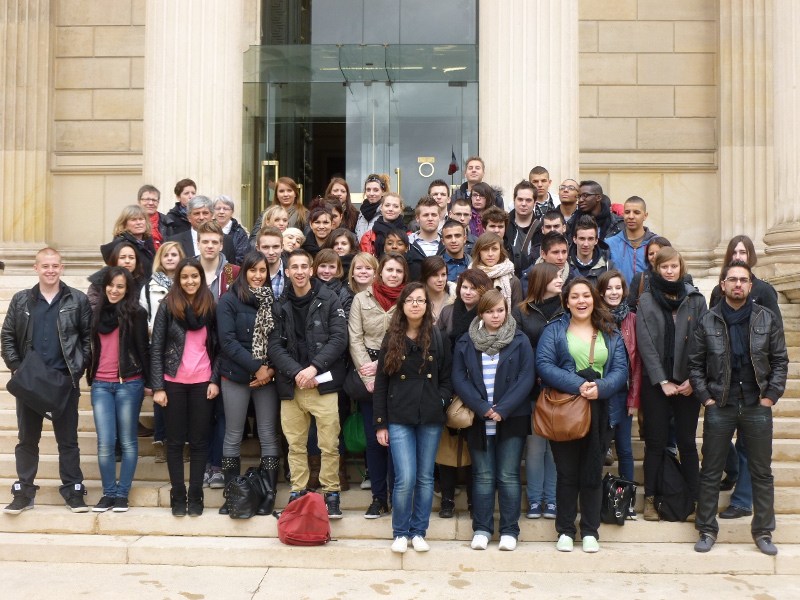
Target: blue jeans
(497, 467)
(414, 454)
(742, 496)
(540, 470)
(116, 406)
(624, 446)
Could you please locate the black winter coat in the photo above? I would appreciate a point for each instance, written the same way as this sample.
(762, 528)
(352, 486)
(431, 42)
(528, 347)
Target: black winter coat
(235, 324)
(176, 221)
(134, 350)
(326, 338)
(342, 292)
(74, 329)
(709, 355)
(414, 258)
(145, 253)
(411, 396)
(532, 325)
(166, 348)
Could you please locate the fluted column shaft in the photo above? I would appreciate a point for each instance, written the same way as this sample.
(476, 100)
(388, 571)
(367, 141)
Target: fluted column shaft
(528, 59)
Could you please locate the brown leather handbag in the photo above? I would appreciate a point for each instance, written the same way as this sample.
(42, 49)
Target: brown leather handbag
(562, 417)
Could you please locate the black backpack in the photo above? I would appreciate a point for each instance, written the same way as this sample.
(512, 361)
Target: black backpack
(672, 498)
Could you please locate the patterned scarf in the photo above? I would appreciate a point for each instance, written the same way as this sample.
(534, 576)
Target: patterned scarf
(264, 322)
(501, 275)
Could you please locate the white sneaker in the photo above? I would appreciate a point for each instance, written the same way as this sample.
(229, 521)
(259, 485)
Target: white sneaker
(419, 543)
(400, 545)
(508, 542)
(479, 542)
(564, 543)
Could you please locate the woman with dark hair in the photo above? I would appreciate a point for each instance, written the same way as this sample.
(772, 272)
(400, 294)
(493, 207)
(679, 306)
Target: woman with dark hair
(481, 198)
(185, 377)
(369, 319)
(375, 186)
(133, 225)
(641, 281)
(244, 320)
(338, 188)
(493, 374)
(337, 211)
(490, 256)
(440, 292)
(667, 315)
(124, 254)
(625, 403)
(412, 388)
(176, 220)
(541, 306)
(118, 374)
(454, 321)
(582, 353)
(344, 243)
(320, 224)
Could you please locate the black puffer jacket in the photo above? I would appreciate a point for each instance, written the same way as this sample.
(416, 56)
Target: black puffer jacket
(74, 329)
(176, 221)
(145, 251)
(709, 355)
(326, 339)
(134, 350)
(166, 348)
(235, 322)
(342, 292)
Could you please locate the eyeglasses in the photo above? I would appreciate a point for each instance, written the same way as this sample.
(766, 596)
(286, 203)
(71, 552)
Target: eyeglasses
(420, 301)
(735, 280)
(571, 188)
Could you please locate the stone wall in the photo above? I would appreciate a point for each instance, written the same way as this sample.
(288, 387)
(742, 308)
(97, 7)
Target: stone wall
(648, 108)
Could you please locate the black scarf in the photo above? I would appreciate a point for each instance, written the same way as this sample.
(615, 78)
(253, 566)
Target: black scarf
(661, 290)
(462, 318)
(368, 209)
(190, 321)
(738, 322)
(620, 312)
(603, 219)
(381, 228)
(550, 307)
(109, 319)
(300, 306)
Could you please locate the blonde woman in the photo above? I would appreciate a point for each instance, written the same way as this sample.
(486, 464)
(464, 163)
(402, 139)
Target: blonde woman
(275, 216)
(133, 225)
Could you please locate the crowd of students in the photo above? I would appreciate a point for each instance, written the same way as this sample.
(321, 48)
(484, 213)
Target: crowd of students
(321, 307)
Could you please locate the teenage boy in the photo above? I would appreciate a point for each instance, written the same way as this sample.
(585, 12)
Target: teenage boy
(738, 365)
(521, 220)
(53, 320)
(426, 241)
(270, 244)
(439, 191)
(588, 256)
(545, 201)
(474, 173)
(592, 202)
(199, 210)
(555, 250)
(454, 237)
(461, 211)
(628, 247)
(307, 346)
(219, 272)
(568, 195)
(552, 220)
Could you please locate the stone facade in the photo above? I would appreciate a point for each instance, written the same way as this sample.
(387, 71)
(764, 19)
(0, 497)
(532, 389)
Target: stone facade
(671, 101)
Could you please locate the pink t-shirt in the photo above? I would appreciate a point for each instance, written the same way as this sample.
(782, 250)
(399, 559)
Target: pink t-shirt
(108, 365)
(195, 364)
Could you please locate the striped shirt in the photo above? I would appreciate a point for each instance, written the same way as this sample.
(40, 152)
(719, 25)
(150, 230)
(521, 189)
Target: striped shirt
(489, 373)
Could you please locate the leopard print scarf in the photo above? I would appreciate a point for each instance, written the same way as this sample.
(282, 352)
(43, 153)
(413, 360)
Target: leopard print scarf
(264, 322)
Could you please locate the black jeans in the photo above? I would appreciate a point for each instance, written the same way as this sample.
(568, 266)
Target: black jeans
(755, 428)
(656, 408)
(65, 428)
(569, 458)
(187, 416)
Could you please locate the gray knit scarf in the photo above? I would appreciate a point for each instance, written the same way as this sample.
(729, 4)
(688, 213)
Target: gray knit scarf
(492, 343)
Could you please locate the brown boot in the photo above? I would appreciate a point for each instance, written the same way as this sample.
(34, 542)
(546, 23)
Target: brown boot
(650, 512)
(344, 482)
(314, 464)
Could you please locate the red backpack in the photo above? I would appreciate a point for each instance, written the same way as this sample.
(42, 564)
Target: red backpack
(305, 522)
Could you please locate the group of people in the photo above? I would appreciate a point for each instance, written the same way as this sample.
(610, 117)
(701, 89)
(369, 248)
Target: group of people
(323, 307)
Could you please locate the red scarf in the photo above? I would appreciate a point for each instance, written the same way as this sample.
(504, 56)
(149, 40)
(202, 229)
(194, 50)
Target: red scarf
(385, 295)
(157, 239)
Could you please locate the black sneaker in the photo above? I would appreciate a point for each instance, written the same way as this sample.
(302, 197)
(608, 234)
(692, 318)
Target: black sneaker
(106, 503)
(18, 504)
(766, 546)
(377, 509)
(75, 501)
(332, 503)
(120, 504)
(705, 543)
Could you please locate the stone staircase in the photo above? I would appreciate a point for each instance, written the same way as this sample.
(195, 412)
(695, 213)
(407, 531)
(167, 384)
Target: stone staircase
(148, 534)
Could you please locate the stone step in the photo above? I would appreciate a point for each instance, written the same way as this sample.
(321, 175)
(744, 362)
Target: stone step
(160, 522)
(615, 557)
(8, 420)
(787, 407)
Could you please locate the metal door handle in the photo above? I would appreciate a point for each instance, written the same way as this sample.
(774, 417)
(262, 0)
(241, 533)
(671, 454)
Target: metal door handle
(399, 174)
(264, 165)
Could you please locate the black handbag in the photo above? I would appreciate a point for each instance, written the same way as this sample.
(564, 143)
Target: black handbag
(40, 388)
(618, 494)
(244, 494)
(353, 384)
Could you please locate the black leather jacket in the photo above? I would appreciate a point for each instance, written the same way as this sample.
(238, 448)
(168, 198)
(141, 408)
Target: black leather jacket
(709, 355)
(134, 350)
(74, 323)
(166, 347)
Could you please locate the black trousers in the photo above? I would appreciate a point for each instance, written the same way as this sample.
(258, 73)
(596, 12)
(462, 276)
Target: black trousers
(187, 416)
(656, 412)
(569, 458)
(65, 428)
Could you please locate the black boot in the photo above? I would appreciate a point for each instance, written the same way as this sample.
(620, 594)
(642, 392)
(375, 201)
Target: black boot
(195, 503)
(268, 469)
(231, 467)
(177, 501)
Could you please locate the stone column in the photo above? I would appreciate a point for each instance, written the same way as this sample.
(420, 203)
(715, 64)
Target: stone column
(783, 238)
(193, 96)
(528, 61)
(745, 113)
(25, 91)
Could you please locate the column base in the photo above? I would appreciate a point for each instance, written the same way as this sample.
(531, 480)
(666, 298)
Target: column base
(780, 265)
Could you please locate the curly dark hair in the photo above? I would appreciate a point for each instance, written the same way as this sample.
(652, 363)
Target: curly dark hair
(395, 340)
(601, 318)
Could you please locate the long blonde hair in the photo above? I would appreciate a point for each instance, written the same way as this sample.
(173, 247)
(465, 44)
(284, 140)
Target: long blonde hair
(130, 212)
(162, 250)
